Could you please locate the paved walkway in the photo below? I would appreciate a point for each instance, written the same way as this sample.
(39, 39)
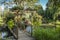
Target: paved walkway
(23, 36)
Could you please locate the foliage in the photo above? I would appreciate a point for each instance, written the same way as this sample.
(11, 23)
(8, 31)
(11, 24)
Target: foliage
(39, 9)
(57, 14)
(10, 23)
(26, 3)
(47, 34)
(16, 8)
(9, 16)
(1, 21)
(25, 0)
(52, 7)
(37, 20)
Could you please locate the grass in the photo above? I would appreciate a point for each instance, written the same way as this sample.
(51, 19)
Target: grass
(47, 33)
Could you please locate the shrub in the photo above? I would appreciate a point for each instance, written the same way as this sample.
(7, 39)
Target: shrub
(1, 21)
(46, 34)
(10, 24)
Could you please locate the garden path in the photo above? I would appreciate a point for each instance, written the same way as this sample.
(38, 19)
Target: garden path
(24, 36)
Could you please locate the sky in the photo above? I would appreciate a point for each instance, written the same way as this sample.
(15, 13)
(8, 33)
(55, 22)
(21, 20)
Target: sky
(2, 1)
(6, 6)
(43, 3)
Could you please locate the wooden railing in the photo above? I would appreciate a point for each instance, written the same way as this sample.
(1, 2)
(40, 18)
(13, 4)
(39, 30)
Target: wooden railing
(14, 32)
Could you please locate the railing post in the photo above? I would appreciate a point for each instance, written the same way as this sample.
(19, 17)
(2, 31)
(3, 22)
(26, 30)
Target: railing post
(31, 30)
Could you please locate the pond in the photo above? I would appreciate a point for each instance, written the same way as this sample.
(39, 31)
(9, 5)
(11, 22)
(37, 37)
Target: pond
(2, 35)
(29, 29)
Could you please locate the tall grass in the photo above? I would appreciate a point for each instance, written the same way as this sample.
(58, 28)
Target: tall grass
(47, 34)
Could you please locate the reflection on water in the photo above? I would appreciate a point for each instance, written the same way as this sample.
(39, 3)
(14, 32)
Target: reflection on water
(3, 34)
(28, 29)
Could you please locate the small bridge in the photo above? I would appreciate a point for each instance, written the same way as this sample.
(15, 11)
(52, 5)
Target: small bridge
(24, 36)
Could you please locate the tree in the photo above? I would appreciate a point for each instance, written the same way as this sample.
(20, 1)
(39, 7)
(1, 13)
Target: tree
(52, 7)
(26, 3)
(40, 10)
(29, 5)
